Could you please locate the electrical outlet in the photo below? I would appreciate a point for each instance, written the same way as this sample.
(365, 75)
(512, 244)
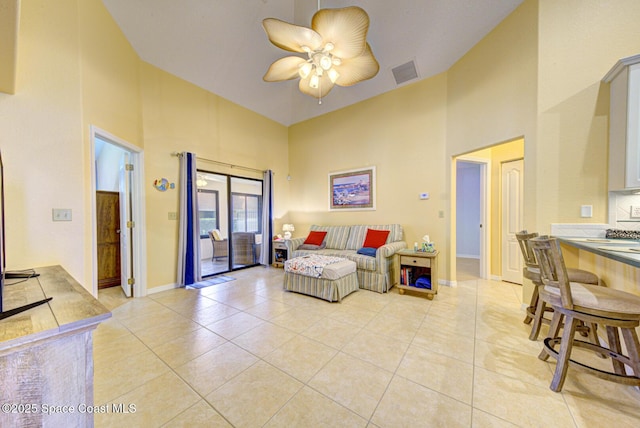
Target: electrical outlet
(173, 215)
(635, 211)
(61, 214)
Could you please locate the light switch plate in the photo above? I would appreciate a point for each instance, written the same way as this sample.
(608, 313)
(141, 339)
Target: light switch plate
(61, 214)
(586, 211)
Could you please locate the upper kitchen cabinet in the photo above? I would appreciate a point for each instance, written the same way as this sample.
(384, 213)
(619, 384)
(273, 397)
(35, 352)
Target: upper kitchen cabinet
(624, 124)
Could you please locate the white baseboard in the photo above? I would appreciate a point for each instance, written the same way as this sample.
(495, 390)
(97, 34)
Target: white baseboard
(496, 277)
(447, 283)
(162, 288)
(468, 256)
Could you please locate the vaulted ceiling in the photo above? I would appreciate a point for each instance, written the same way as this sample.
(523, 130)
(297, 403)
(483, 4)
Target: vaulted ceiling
(220, 45)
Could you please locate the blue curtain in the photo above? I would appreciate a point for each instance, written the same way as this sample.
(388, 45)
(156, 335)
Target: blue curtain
(189, 233)
(267, 216)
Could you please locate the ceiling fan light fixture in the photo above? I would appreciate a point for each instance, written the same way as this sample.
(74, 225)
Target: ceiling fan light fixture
(313, 82)
(346, 28)
(305, 69)
(201, 182)
(325, 62)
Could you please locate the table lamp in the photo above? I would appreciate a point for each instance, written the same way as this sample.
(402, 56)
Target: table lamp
(287, 229)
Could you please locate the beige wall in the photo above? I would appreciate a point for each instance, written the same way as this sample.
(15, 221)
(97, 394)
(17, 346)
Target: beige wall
(179, 116)
(402, 134)
(9, 44)
(76, 69)
(492, 99)
(537, 76)
(413, 133)
(580, 40)
(42, 142)
(110, 97)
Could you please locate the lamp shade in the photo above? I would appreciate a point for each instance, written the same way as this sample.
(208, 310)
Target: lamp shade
(288, 228)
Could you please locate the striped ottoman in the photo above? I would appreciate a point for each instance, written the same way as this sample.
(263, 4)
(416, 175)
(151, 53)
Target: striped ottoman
(335, 281)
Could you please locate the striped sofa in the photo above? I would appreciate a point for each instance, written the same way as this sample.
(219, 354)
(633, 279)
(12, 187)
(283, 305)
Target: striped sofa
(374, 273)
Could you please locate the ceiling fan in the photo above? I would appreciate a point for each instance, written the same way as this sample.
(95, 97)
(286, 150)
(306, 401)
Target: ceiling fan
(336, 47)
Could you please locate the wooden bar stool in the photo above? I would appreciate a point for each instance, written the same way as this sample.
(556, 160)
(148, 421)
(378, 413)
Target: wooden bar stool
(537, 308)
(617, 311)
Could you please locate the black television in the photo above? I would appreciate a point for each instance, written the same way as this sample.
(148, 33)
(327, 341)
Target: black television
(3, 262)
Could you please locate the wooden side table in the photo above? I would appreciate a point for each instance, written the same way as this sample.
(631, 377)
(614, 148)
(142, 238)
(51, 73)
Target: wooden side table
(414, 265)
(281, 252)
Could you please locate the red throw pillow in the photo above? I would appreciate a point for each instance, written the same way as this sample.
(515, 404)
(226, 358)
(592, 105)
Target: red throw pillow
(315, 238)
(375, 238)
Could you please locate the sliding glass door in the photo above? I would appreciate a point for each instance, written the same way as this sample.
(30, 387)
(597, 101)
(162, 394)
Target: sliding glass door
(230, 210)
(246, 221)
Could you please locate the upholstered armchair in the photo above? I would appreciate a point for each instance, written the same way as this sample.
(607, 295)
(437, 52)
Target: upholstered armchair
(220, 246)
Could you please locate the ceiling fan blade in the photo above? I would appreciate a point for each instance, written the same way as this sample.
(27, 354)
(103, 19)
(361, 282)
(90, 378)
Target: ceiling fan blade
(291, 37)
(346, 28)
(357, 69)
(284, 69)
(325, 85)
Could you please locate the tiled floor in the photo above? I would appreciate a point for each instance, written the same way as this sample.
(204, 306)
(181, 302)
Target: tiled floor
(212, 267)
(248, 354)
(467, 269)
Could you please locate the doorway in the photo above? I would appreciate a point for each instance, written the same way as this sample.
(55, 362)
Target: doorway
(492, 203)
(473, 201)
(108, 238)
(230, 214)
(118, 224)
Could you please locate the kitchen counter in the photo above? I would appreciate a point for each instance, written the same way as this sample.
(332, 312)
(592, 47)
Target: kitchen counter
(620, 250)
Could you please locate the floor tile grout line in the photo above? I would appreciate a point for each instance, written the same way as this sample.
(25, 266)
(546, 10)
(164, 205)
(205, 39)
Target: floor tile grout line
(307, 383)
(173, 370)
(395, 373)
(478, 303)
(473, 366)
(258, 359)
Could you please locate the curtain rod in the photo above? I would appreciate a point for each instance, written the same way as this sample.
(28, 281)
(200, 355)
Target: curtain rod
(230, 165)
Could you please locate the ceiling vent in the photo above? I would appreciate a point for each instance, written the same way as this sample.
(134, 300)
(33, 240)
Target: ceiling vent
(405, 72)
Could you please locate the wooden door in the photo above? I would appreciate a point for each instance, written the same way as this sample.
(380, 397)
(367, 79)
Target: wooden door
(512, 201)
(108, 234)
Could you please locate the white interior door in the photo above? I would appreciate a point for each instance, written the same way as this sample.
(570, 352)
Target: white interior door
(126, 223)
(512, 206)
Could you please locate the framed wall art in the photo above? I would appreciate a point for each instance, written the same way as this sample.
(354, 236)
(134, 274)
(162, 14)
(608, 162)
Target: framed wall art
(354, 189)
